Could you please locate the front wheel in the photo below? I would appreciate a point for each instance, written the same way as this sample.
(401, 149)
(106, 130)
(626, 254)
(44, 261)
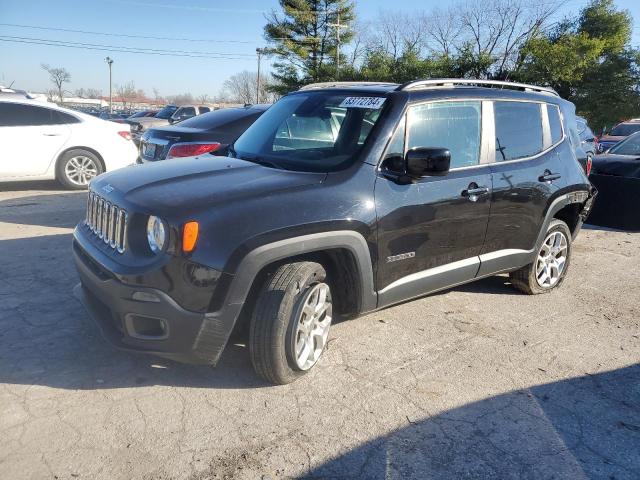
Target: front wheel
(290, 322)
(549, 269)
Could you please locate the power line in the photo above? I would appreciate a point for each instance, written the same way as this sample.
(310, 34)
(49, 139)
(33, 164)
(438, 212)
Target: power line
(142, 49)
(107, 48)
(148, 37)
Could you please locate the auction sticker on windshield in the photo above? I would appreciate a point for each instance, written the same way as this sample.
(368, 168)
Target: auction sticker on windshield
(363, 102)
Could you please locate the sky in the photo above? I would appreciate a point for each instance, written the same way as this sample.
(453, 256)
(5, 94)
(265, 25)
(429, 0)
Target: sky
(229, 31)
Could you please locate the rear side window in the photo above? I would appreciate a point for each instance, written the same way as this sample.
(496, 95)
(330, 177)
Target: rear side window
(204, 110)
(451, 125)
(555, 124)
(20, 115)
(518, 130)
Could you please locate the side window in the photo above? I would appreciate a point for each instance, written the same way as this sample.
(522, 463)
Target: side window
(204, 110)
(19, 115)
(518, 130)
(61, 118)
(186, 111)
(555, 124)
(394, 156)
(452, 125)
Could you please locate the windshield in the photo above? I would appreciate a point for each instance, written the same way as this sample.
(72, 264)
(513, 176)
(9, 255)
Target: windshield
(629, 146)
(313, 131)
(625, 129)
(166, 112)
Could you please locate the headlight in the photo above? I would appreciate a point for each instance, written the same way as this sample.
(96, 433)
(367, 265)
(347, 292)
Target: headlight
(156, 234)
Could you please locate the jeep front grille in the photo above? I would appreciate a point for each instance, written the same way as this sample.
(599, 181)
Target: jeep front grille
(107, 221)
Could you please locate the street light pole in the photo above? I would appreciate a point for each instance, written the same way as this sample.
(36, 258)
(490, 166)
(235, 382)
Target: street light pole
(109, 61)
(259, 52)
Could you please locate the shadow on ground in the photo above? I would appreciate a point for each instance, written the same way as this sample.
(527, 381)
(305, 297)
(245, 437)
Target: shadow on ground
(62, 210)
(585, 427)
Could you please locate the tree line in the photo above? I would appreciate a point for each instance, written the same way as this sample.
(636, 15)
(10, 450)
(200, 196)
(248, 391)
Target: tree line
(587, 57)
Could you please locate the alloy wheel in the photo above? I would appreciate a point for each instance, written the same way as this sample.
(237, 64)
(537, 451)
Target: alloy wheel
(312, 327)
(552, 259)
(80, 170)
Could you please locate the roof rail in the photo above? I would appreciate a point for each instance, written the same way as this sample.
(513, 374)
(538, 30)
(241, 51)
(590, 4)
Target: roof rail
(452, 82)
(313, 86)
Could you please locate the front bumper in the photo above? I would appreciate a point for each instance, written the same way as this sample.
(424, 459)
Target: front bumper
(151, 321)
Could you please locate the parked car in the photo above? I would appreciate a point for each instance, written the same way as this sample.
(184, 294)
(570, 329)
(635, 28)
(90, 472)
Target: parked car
(588, 141)
(340, 199)
(616, 175)
(113, 117)
(142, 114)
(43, 141)
(207, 133)
(168, 115)
(618, 133)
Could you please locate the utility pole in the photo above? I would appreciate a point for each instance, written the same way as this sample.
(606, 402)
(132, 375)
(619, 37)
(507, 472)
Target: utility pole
(338, 26)
(109, 61)
(260, 52)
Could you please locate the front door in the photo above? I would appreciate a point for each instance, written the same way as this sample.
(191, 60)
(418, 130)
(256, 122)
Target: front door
(431, 232)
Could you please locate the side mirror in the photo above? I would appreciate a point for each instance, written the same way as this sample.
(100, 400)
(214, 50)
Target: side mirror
(172, 120)
(428, 162)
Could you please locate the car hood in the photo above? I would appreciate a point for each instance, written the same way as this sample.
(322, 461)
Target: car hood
(617, 165)
(611, 138)
(193, 183)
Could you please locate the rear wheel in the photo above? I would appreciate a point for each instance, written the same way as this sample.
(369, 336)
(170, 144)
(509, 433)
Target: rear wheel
(290, 322)
(76, 168)
(550, 267)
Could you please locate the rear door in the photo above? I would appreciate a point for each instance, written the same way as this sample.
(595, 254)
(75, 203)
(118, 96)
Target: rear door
(431, 232)
(30, 138)
(526, 173)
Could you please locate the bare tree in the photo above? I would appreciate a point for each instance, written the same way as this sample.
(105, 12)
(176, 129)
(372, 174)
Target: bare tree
(204, 98)
(57, 76)
(443, 29)
(397, 33)
(498, 28)
(127, 93)
(93, 93)
(180, 99)
(242, 86)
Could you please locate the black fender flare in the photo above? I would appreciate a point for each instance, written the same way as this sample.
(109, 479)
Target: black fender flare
(269, 253)
(217, 326)
(577, 196)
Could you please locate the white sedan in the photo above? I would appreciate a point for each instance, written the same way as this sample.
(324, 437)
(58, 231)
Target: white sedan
(40, 141)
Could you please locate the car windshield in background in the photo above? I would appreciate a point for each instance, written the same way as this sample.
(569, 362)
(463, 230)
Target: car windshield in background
(629, 146)
(316, 132)
(625, 129)
(166, 112)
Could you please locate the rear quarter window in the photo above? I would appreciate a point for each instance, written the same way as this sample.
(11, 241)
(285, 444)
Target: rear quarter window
(518, 130)
(555, 123)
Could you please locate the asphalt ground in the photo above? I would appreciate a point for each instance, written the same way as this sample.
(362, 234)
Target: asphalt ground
(476, 382)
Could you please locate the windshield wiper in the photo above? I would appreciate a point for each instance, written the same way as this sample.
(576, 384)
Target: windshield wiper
(260, 161)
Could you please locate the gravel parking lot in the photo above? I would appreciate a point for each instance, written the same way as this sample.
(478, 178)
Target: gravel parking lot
(477, 382)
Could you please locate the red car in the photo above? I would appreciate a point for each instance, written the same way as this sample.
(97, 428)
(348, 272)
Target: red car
(618, 133)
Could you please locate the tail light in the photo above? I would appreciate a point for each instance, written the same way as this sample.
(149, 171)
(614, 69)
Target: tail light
(589, 165)
(124, 134)
(191, 149)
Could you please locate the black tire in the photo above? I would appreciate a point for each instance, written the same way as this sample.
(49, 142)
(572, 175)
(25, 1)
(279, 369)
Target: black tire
(275, 319)
(93, 169)
(525, 279)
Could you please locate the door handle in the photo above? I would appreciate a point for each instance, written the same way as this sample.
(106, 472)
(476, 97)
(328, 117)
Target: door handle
(547, 176)
(474, 191)
(51, 134)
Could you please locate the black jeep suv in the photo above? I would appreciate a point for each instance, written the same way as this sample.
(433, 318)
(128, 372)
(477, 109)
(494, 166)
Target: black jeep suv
(341, 199)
